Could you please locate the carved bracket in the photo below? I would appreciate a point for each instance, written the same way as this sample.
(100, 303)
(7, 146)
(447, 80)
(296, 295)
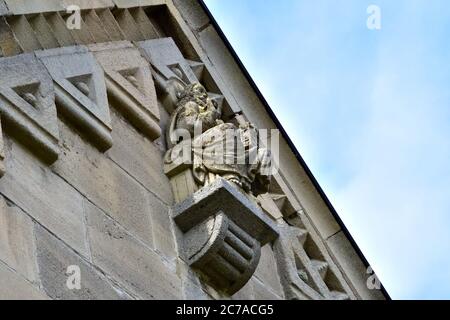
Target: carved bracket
(223, 231)
(27, 104)
(129, 82)
(80, 91)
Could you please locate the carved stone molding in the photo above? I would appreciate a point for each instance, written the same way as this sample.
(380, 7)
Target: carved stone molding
(223, 231)
(80, 91)
(173, 72)
(306, 274)
(130, 84)
(167, 58)
(27, 104)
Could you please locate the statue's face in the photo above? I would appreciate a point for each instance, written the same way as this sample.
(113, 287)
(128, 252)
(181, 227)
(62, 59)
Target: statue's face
(199, 92)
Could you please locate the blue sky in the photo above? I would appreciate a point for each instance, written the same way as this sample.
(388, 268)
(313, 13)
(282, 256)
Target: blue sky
(369, 110)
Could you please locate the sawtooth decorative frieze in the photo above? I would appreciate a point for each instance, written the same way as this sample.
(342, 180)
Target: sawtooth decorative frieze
(172, 72)
(27, 104)
(130, 85)
(305, 271)
(35, 25)
(80, 92)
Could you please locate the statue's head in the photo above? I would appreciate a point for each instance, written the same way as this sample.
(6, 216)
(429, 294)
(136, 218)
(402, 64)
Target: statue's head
(195, 92)
(195, 109)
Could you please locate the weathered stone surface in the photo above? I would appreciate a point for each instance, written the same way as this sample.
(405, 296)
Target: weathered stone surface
(222, 196)
(54, 259)
(14, 287)
(27, 104)
(17, 247)
(162, 227)
(105, 184)
(59, 29)
(269, 206)
(293, 265)
(140, 158)
(17, 7)
(95, 25)
(43, 31)
(164, 55)
(306, 193)
(130, 85)
(353, 267)
(306, 270)
(8, 43)
(44, 196)
(137, 3)
(192, 13)
(262, 292)
(246, 292)
(192, 287)
(267, 271)
(88, 4)
(144, 23)
(24, 33)
(133, 265)
(80, 91)
(192, 291)
(3, 8)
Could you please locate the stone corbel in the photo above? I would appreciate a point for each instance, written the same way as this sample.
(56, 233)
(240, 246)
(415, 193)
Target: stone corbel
(129, 83)
(80, 92)
(222, 234)
(27, 105)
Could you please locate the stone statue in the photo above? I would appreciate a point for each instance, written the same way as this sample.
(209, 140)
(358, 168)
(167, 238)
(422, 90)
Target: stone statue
(217, 149)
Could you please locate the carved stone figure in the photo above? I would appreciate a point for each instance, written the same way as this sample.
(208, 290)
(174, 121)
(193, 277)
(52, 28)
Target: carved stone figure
(218, 149)
(216, 170)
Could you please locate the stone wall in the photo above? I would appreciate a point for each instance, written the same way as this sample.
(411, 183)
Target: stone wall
(81, 154)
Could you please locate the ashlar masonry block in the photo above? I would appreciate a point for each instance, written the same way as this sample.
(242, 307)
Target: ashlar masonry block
(27, 104)
(167, 58)
(80, 92)
(130, 85)
(173, 72)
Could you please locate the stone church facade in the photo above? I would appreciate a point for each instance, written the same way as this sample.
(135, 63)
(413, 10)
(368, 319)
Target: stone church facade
(94, 203)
